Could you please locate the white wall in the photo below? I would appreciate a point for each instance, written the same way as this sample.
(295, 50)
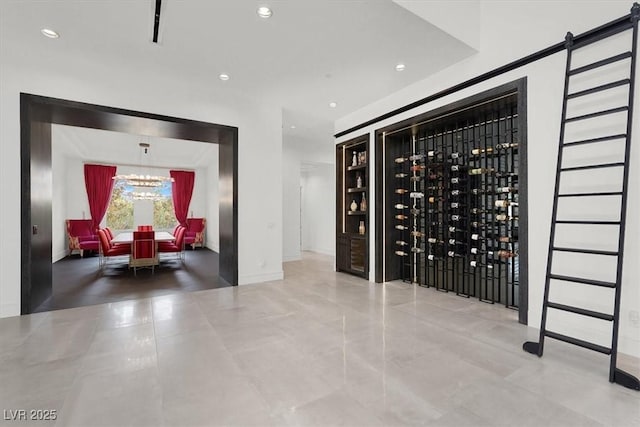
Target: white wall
(319, 209)
(260, 148)
(291, 242)
(546, 24)
(212, 208)
(59, 242)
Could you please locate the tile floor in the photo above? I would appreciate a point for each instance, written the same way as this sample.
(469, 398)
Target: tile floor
(318, 348)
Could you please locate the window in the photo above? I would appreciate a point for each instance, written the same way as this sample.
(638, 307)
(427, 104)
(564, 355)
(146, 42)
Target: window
(125, 209)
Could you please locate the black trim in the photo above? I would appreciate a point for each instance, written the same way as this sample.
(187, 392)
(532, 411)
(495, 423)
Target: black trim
(156, 20)
(619, 24)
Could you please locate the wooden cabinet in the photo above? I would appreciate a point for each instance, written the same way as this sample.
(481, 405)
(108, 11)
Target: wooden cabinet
(352, 206)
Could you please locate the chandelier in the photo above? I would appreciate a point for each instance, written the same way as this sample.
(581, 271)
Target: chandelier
(144, 180)
(142, 195)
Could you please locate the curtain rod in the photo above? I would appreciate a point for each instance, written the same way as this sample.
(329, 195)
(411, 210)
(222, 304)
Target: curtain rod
(137, 166)
(558, 47)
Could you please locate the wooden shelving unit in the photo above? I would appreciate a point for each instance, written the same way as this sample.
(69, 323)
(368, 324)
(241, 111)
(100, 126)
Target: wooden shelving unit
(352, 214)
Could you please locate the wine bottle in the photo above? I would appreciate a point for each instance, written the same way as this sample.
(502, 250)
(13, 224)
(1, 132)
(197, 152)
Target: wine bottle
(455, 242)
(480, 171)
(477, 151)
(401, 227)
(417, 250)
(401, 253)
(505, 217)
(476, 211)
(506, 174)
(415, 178)
(435, 187)
(457, 168)
(401, 175)
(418, 168)
(501, 254)
(400, 159)
(453, 254)
(433, 153)
(434, 199)
(363, 202)
(456, 205)
(456, 218)
(401, 191)
(416, 195)
(432, 257)
(477, 191)
(401, 243)
(415, 211)
(453, 229)
(455, 155)
(433, 176)
(506, 145)
(416, 157)
(433, 240)
(457, 192)
(417, 233)
(401, 217)
(457, 180)
(505, 203)
(506, 190)
(476, 236)
(401, 206)
(479, 264)
(359, 181)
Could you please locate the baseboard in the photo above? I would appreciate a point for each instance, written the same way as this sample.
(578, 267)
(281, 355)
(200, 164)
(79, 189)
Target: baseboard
(291, 257)
(323, 251)
(213, 248)
(259, 278)
(9, 310)
(58, 256)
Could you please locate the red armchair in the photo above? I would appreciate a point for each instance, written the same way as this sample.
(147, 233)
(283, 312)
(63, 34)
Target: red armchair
(108, 250)
(195, 232)
(82, 236)
(176, 246)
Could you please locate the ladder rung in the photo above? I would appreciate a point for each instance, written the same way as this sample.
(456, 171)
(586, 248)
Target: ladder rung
(599, 88)
(600, 139)
(602, 193)
(602, 165)
(587, 222)
(601, 63)
(586, 251)
(580, 343)
(582, 311)
(584, 281)
(597, 114)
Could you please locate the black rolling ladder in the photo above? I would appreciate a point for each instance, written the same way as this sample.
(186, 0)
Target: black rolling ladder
(615, 375)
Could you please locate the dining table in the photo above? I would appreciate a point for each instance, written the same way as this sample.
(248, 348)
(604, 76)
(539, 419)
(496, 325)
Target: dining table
(127, 237)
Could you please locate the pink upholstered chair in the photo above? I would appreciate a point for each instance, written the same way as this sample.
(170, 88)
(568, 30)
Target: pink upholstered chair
(176, 246)
(82, 236)
(145, 228)
(195, 232)
(107, 250)
(110, 236)
(143, 251)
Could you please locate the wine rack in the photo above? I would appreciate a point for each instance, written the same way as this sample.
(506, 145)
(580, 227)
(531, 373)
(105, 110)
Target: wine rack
(352, 211)
(454, 192)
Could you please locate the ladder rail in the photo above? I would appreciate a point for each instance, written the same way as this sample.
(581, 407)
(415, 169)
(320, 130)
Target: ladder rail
(635, 15)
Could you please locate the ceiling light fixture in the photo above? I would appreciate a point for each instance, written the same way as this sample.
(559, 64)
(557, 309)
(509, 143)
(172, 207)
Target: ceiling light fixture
(224, 77)
(264, 12)
(400, 67)
(49, 33)
(333, 105)
(143, 180)
(293, 126)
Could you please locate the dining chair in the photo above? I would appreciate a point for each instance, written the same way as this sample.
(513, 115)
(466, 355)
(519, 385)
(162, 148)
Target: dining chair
(108, 250)
(177, 246)
(144, 251)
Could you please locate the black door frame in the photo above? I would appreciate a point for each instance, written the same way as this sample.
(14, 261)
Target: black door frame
(38, 113)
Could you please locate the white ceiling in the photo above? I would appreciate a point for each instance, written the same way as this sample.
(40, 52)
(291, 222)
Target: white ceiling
(305, 56)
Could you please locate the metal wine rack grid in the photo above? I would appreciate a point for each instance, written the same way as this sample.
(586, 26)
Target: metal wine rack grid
(456, 203)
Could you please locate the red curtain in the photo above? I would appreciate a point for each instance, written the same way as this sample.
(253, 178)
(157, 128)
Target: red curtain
(98, 180)
(182, 189)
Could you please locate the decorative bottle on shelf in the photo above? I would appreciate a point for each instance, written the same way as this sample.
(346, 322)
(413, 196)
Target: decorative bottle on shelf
(354, 205)
(354, 161)
(361, 229)
(363, 203)
(359, 181)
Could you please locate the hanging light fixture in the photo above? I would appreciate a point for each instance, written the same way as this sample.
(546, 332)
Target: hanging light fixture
(144, 180)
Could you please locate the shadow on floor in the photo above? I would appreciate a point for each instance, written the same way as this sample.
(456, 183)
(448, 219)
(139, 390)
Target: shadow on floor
(79, 282)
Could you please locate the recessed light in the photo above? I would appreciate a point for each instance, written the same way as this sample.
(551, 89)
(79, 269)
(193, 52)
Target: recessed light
(264, 12)
(333, 105)
(400, 67)
(49, 33)
(293, 126)
(224, 77)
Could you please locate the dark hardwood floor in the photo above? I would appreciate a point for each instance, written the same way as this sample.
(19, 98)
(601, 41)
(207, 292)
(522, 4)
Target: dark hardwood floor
(79, 281)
